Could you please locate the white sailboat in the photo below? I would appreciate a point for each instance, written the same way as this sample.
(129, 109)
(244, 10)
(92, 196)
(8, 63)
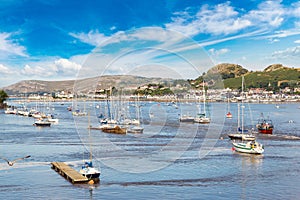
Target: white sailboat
(186, 118)
(248, 143)
(87, 169)
(241, 133)
(137, 128)
(202, 118)
(251, 147)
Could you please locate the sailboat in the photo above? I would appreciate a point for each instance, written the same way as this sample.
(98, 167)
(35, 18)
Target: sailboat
(87, 169)
(228, 115)
(42, 122)
(241, 133)
(186, 118)
(137, 128)
(251, 147)
(111, 125)
(246, 146)
(202, 117)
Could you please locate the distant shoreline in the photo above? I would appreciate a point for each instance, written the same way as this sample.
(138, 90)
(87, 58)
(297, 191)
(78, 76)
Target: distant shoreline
(155, 99)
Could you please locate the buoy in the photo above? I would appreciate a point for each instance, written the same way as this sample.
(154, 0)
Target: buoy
(91, 182)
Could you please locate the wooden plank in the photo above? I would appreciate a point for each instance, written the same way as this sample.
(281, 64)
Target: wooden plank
(68, 172)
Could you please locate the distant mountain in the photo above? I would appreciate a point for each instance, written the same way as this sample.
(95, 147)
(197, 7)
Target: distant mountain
(215, 76)
(227, 70)
(272, 78)
(84, 85)
(275, 67)
(228, 75)
(224, 75)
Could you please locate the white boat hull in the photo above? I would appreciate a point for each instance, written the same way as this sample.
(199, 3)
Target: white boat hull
(202, 120)
(249, 147)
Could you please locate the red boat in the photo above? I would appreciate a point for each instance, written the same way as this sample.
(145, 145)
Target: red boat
(265, 126)
(229, 115)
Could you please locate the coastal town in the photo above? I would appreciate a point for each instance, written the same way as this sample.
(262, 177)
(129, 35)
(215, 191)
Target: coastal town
(253, 95)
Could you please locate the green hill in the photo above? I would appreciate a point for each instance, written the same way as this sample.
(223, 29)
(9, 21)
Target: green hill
(229, 76)
(272, 78)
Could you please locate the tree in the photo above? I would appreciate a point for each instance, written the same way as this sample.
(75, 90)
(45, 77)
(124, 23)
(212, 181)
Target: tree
(3, 97)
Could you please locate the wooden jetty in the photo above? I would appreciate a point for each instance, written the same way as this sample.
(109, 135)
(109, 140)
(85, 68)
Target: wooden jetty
(69, 173)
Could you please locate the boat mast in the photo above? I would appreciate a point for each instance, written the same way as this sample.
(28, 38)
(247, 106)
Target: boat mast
(242, 104)
(138, 108)
(90, 141)
(239, 123)
(228, 104)
(203, 91)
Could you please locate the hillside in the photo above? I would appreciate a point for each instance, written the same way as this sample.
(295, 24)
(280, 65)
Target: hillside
(273, 77)
(215, 76)
(224, 75)
(85, 85)
(227, 70)
(228, 75)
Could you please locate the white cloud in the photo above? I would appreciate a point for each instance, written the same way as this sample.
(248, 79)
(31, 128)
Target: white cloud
(289, 53)
(225, 19)
(219, 52)
(297, 41)
(66, 66)
(219, 19)
(268, 13)
(9, 47)
(297, 25)
(113, 28)
(295, 9)
(144, 47)
(92, 37)
(5, 70)
(59, 68)
(37, 71)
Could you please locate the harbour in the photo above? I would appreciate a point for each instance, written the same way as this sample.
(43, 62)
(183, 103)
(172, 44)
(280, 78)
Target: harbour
(194, 173)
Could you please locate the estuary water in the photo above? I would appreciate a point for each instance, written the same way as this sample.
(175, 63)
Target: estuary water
(170, 160)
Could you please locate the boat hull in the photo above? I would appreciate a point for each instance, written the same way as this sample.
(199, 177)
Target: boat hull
(42, 124)
(135, 130)
(202, 120)
(92, 176)
(116, 130)
(186, 119)
(265, 131)
(238, 136)
(249, 147)
(228, 115)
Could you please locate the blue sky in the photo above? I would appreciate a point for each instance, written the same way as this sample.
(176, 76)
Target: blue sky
(58, 40)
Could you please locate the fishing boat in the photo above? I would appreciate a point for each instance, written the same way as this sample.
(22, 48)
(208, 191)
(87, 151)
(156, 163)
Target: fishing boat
(244, 146)
(88, 170)
(202, 117)
(264, 126)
